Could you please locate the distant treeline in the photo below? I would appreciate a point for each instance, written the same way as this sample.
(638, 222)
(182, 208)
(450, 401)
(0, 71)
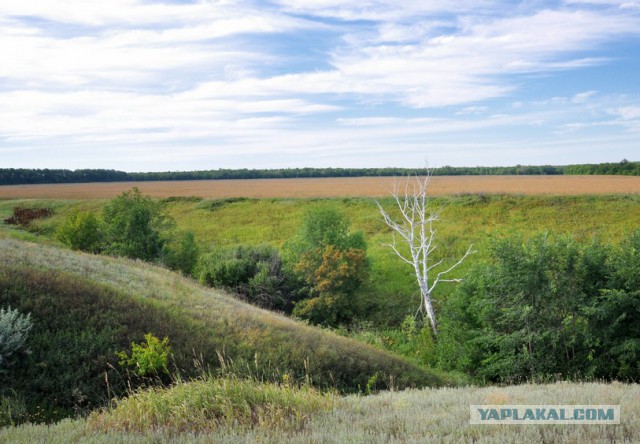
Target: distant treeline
(19, 176)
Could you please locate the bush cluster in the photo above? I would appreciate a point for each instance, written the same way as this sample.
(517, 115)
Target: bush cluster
(547, 308)
(256, 273)
(133, 226)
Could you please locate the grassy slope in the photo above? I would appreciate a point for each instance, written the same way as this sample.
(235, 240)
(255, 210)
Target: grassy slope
(67, 290)
(431, 415)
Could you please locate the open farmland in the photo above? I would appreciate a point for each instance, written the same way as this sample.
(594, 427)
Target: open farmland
(332, 187)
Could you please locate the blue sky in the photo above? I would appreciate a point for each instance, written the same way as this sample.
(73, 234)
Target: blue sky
(152, 86)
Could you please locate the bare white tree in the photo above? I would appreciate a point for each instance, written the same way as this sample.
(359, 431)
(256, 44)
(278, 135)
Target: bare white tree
(416, 229)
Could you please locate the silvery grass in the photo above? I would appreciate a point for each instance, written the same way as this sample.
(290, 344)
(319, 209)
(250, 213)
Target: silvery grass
(411, 416)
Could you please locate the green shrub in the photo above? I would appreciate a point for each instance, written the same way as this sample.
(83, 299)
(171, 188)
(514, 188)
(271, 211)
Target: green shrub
(81, 231)
(12, 410)
(14, 331)
(547, 308)
(181, 254)
(150, 358)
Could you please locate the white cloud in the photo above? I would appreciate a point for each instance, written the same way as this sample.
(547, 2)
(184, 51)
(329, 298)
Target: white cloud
(250, 77)
(381, 10)
(627, 112)
(583, 97)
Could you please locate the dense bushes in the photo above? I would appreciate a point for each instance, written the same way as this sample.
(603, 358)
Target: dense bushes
(256, 273)
(547, 308)
(81, 231)
(321, 269)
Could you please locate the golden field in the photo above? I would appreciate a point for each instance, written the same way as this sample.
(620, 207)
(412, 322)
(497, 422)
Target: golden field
(332, 187)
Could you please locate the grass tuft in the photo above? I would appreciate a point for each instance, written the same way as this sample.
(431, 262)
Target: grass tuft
(212, 403)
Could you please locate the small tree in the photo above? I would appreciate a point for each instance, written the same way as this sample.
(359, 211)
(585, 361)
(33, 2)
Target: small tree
(133, 223)
(416, 230)
(331, 263)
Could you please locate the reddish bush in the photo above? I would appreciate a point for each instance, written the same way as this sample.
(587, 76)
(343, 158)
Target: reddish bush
(24, 216)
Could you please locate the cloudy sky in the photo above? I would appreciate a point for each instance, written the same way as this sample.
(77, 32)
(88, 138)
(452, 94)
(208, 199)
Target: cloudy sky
(144, 85)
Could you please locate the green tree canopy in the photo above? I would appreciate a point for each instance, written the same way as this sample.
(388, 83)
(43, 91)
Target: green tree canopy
(133, 225)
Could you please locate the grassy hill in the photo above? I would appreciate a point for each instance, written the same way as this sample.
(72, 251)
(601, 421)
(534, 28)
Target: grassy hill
(85, 308)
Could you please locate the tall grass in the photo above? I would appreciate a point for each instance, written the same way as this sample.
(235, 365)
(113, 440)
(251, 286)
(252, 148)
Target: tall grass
(211, 403)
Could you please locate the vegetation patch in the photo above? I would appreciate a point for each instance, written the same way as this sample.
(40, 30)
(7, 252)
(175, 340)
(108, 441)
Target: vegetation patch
(24, 216)
(215, 204)
(86, 308)
(212, 403)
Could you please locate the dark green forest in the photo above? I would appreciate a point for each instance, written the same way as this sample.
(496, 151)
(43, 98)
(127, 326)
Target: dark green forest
(20, 176)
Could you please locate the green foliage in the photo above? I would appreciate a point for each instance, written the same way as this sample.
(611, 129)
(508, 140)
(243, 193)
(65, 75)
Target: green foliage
(332, 264)
(547, 308)
(412, 340)
(616, 314)
(81, 231)
(13, 410)
(148, 358)
(182, 254)
(14, 331)
(322, 227)
(256, 273)
(133, 225)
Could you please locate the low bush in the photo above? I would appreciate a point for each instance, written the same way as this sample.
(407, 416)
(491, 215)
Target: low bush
(150, 358)
(24, 216)
(14, 331)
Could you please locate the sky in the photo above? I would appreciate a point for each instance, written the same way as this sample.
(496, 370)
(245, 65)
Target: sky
(142, 85)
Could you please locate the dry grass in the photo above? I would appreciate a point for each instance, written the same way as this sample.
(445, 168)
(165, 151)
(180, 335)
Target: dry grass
(412, 416)
(332, 187)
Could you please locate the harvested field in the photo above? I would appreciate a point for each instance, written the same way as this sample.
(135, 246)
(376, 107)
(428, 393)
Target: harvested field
(332, 187)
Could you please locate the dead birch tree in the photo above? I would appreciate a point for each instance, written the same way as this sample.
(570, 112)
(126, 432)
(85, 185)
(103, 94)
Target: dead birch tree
(415, 228)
